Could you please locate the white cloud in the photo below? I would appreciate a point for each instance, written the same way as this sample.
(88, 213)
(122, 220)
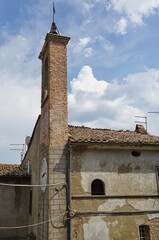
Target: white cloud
(104, 43)
(133, 12)
(134, 9)
(88, 5)
(13, 52)
(145, 85)
(112, 105)
(86, 82)
(121, 26)
(19, 110)
(88, 52)
(82, 43)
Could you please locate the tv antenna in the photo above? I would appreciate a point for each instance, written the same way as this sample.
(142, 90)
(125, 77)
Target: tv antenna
(19, 147)
(153, 112)
(144, 121)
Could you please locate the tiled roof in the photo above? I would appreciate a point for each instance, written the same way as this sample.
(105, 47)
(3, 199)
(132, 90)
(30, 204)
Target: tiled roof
(112, 137)
(12, 170)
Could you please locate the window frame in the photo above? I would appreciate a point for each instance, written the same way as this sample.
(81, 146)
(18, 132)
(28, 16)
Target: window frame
(144, 232)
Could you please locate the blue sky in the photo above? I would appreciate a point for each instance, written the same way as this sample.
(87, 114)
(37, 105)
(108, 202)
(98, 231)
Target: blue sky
(113, 64)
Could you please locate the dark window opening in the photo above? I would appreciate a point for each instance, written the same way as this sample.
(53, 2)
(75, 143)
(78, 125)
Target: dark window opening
(30, 202)
(136, 153)
(144, 232)
(157, 177)
(45, 79)
(97, 187)
(46, 74)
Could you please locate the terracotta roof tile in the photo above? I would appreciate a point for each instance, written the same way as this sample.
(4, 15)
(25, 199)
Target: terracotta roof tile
(96, 135)
(12, 170)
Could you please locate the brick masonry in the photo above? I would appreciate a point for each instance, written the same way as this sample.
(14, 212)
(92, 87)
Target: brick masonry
(154, 228)
(54, 136)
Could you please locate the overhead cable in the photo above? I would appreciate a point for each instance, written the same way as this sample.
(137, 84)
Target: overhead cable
(31, 225)
(31, 185)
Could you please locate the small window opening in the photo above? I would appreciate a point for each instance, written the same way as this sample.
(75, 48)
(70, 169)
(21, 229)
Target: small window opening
(97, 187)
(157, 177)
(144, 232)
(46, 73)
(45, 80)
(136, 153)
(30, 202)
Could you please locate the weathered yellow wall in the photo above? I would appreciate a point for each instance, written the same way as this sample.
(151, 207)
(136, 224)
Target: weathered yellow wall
(123, 175)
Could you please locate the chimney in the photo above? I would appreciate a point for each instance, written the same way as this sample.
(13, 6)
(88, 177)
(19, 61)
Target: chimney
(140, 129)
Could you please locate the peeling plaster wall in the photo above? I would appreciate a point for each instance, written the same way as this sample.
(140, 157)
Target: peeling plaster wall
(96, 229)
(118, 169)
(123, 175)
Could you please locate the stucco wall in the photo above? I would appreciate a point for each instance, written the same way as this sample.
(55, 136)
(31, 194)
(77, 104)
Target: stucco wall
(124, 177)
(32, 159)
(14, 208)
(118, 169)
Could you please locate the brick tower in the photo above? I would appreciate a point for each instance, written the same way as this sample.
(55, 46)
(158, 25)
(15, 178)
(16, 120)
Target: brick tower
(53, 136)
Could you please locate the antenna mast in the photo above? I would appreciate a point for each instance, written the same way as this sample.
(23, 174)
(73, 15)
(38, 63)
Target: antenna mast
(21, 147)
(54, 12)
(54, 28)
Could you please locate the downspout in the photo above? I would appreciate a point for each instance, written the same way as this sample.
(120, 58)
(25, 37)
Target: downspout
(68, 195)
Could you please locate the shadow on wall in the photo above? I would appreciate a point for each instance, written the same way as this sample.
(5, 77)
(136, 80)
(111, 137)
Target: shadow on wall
(30, 236)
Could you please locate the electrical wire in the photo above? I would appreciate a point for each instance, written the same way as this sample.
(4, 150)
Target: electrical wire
(62, 216)
(27, 185)
(32, 225)
(61, 222)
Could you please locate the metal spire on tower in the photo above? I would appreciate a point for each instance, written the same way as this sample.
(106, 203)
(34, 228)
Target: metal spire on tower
(54, 28)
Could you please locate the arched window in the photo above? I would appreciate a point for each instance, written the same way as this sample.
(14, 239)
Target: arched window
(45, 78)
(46, 73)
(97, 187)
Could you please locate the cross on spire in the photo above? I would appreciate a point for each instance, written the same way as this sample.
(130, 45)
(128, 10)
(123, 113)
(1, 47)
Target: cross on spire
(54, 28)
(54, 11)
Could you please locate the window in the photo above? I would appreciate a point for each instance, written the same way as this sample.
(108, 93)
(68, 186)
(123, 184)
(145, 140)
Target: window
(144, 232)
(46, 73)
(45, 80)
(157, 177)
(30, 202)
(97, 187)
(136, 153)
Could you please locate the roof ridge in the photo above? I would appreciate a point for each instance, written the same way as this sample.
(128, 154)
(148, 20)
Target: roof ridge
(9, 164)
(108, 136)
(93, 128)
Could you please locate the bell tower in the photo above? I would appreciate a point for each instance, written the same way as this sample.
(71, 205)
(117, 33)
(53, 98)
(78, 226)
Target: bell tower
(53, 136)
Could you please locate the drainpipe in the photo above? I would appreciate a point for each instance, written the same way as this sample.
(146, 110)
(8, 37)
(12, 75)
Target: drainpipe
(68, 195)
